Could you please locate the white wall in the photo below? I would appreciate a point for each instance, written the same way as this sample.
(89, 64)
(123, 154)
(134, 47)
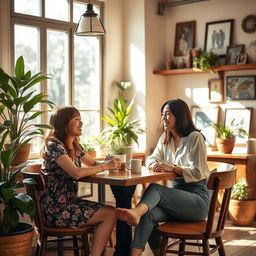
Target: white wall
(194, 88)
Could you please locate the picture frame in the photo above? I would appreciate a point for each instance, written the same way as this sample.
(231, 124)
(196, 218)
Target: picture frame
(218, 35)
(202, 118)
(241, 87)
(232, 52)
(216, 91)
(242, 117)
(241, 58)
(184, 37)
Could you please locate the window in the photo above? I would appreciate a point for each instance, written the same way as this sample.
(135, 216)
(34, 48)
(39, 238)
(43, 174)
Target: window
(44, 33)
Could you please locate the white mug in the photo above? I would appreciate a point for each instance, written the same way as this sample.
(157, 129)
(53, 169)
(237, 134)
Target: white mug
(136, 165)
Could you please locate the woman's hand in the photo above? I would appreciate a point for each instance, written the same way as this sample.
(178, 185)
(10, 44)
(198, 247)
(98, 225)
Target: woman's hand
(114, 164)
(161, 167)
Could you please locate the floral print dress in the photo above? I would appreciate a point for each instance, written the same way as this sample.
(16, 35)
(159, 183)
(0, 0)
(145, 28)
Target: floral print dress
(59, 201)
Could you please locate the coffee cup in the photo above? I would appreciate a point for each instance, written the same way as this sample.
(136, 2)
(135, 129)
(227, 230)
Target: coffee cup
(136, 165)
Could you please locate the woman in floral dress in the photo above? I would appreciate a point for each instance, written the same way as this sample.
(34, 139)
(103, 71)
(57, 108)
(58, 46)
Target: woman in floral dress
(61, 167)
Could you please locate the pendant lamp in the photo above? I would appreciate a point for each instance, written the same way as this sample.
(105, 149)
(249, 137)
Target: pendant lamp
(90, 23)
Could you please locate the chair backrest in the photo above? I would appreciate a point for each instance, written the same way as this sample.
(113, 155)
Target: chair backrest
(221, 183)
(33, 189)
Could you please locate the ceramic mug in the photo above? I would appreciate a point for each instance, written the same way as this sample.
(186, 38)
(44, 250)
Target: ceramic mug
(136, 165)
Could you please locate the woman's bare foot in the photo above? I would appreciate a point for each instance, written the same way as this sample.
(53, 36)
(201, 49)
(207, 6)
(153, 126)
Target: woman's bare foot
(129, 215)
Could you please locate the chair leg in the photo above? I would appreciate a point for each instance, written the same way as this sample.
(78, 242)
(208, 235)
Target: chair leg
(42, 249)
(182, 247)
(85, 245)
(75, 245)
(164, 246)
(220, 243)
(206, 247)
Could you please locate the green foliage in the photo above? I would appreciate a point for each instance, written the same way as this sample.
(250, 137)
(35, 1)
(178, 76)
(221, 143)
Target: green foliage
(121, 130)
(121, 126)
(91, 143)
(228, 132)
(12, 204)
(17, 99)
(117, 147)
(241, 190)
(206, 61)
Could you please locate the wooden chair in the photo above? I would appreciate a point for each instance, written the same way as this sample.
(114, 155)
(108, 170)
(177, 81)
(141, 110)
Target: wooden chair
(202, 231)
(61, 234)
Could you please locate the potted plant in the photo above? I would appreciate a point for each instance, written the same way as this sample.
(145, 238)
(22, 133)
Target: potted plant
(121, 127)
(226, 136)
(206, 61)
(90, 145)
(241, 207)
(19, 96)
(13, 204)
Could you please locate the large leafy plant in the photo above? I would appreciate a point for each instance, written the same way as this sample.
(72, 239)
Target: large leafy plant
(17, 99)
(12, 204)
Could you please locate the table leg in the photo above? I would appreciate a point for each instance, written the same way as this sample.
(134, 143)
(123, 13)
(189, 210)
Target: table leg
(123, 196)
(101, 193)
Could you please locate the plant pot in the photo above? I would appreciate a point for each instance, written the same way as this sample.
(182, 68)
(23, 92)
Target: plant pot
(225, 145)
(242, 213)
(22, 155)
(18, 242)
(92, 153)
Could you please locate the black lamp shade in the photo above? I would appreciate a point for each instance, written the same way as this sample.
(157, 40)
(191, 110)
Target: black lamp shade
(90, 24)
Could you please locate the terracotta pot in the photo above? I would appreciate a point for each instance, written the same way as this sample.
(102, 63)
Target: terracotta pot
(22, 155)
(225, 145)
(18, 242)
(242, 213)
(92, 153)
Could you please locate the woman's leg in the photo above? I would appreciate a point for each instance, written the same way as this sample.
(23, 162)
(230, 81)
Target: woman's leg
(104, 220)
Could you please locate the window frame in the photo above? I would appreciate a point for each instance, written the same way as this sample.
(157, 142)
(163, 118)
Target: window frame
(66, 26)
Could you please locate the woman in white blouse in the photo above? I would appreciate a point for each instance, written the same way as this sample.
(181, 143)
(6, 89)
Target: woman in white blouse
(180, 149)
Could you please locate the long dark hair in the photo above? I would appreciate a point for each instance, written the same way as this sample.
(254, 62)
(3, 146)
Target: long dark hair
(184, 122)
(59, 121)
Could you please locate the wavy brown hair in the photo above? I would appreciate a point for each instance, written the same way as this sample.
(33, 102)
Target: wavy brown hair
(59, 122)
(184, 123)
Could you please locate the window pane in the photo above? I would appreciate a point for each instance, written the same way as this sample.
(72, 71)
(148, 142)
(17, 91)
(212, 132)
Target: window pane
(31, 7)
(79, 9)
(57, 9)
(91, 124)
(87, 73)
(26, 44)
(57, 65)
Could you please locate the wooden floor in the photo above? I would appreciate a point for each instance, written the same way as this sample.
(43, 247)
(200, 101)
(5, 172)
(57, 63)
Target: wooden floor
(238, 241)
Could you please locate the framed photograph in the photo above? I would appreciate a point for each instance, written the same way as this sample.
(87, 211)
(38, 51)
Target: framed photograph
(215, 90)
(241, 58)
(218, 35)
(242, 118)
(202, 117)
(184, 37)
(232, 52)
(240, 87)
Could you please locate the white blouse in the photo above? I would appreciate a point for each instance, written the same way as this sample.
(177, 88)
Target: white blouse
(190, 156)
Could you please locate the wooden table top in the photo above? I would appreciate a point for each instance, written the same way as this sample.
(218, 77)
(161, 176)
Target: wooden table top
(127, 178)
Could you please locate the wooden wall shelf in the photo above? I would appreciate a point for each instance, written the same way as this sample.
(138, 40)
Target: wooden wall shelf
(219, 69)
